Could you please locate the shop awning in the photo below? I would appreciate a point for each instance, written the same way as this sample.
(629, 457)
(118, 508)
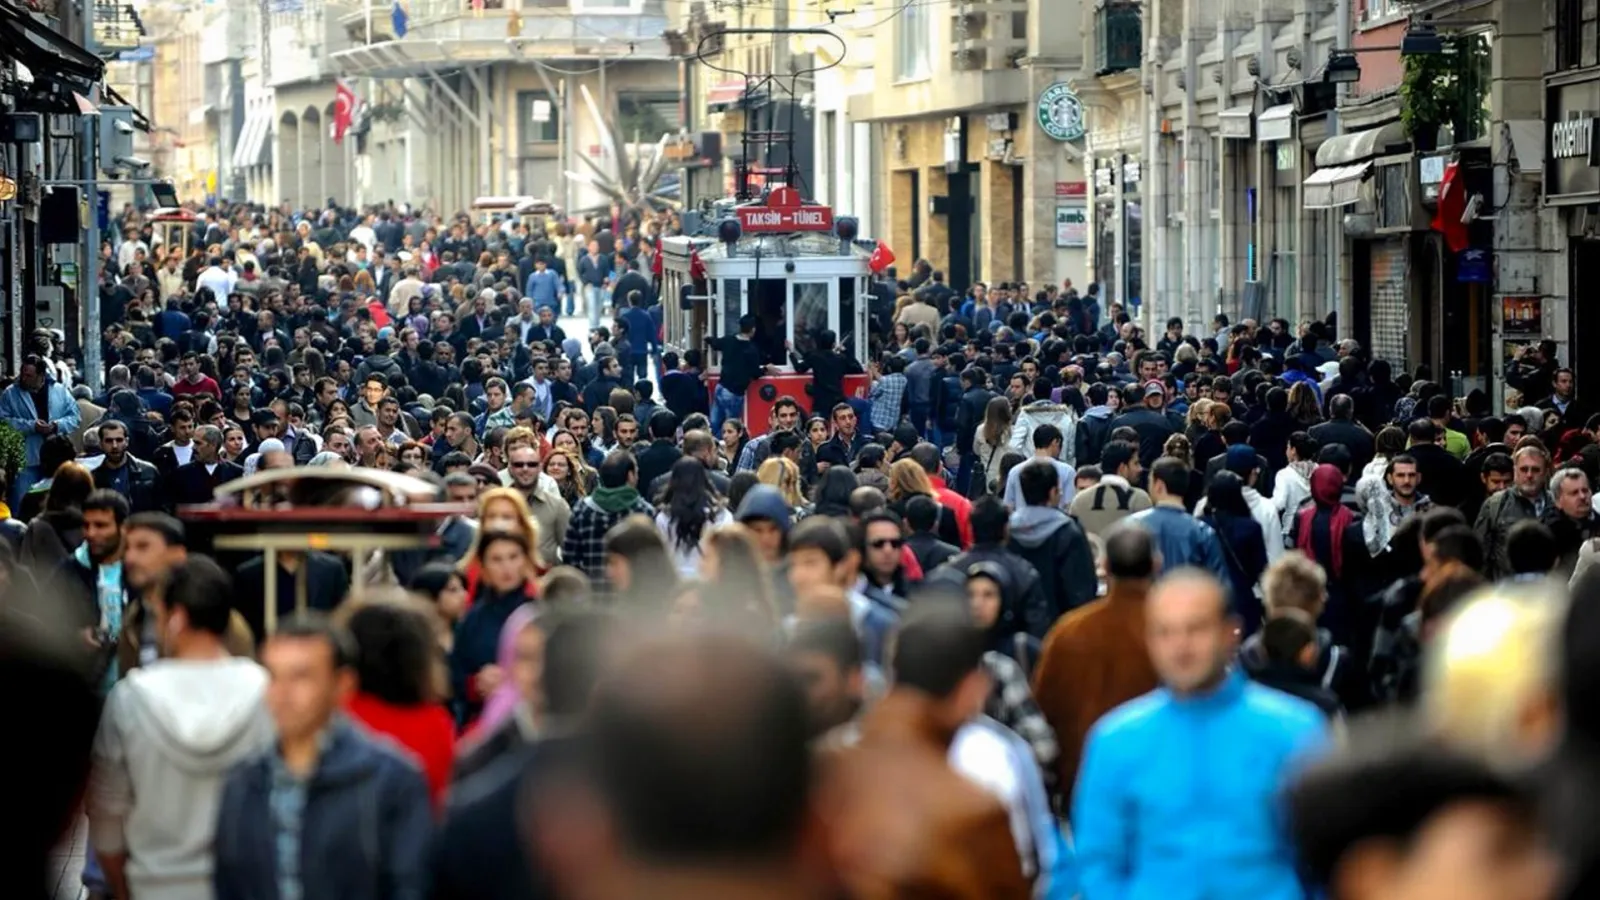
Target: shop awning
(1335, 186)
(1276, 123)
(252, 141)
(45, 52)
(1348, 149)
(1234, 123)
(728, 93)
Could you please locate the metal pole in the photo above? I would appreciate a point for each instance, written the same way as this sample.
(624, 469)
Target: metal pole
(89, 283)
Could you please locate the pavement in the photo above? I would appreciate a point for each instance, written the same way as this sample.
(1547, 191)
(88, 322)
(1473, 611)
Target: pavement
(66, 866)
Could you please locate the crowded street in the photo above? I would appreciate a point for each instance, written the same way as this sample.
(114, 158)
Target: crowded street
(603, 450)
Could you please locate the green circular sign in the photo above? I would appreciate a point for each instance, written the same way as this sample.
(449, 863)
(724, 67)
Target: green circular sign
(1061, 112)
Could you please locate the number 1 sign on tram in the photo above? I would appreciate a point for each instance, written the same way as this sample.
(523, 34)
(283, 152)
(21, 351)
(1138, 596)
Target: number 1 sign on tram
(784, 212)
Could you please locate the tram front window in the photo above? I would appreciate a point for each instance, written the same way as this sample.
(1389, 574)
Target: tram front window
(810, 315)
(847, 317)
(769, 304)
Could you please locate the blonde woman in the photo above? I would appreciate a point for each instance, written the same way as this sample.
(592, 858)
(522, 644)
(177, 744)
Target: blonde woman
(503, 509)
(783, 474)
(908, 480)
(562, 465)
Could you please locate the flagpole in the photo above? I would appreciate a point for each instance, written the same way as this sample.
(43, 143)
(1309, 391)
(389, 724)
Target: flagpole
(369, 23)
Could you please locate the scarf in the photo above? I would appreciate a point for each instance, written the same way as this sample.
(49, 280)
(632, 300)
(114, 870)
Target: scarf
(503, 703)
(1327, 487)
(615, 500)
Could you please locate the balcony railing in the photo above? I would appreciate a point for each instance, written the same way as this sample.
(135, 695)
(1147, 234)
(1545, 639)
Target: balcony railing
(1118, 36)
(569, 22)
(988, 34)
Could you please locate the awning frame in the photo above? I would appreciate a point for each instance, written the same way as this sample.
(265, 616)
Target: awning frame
(1332, 187)
(46, 53)
(1276, 123)
(252, 138)
(1236, 122)
(1351, 148)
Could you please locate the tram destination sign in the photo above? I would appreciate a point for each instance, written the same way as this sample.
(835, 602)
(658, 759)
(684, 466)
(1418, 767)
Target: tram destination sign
(784, 212)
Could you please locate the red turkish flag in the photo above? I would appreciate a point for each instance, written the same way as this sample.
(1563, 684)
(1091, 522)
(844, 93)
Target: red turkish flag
(882, 258)
(1452, 206)
(344, 110)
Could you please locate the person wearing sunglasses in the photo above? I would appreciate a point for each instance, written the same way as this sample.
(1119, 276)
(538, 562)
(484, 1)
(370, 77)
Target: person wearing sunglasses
(526, 467)
(883, 576)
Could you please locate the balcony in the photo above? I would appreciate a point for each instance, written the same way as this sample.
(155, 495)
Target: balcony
(991, 34)
(303, 41)
(1118, 37)
(439, 32)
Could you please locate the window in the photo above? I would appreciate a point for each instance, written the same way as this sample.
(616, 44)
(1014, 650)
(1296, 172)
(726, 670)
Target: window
(810, 314)
(532, 107)
(646, 116)
(1569, 34)
(1378, 9)
(913, 34)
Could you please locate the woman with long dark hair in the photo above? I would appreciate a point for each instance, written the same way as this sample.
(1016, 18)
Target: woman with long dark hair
(639, 566)
(689, 507)
(832, 497)
(1330, 533)
(504, 557)
(1243, 547)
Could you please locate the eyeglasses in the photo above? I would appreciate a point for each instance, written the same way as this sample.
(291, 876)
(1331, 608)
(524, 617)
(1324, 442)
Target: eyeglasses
(524, 465)
(883, 543)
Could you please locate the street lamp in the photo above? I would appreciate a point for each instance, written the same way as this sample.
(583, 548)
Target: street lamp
(1421, 39)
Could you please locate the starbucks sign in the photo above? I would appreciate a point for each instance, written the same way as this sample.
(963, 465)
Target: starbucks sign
(1061, 112)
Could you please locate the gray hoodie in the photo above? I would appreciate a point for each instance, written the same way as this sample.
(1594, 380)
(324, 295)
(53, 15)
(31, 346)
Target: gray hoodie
(169, 734)
(1033, 525)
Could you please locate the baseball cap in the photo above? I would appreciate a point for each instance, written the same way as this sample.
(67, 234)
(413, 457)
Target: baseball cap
(1154, 389)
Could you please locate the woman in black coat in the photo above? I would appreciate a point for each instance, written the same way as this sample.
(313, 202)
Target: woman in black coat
(1244, 548)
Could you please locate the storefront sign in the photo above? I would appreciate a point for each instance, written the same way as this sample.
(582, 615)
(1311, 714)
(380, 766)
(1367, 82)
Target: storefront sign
(1071, 189)
(1061, 112)
(1521, 317)
(1472, 267)
(784, 212)
(1573, 139)
(1572, 163)
(1072, 226)
(694, 151)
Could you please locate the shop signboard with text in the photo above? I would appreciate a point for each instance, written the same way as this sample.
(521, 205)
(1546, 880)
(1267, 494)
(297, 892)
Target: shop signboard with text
(1572, 164)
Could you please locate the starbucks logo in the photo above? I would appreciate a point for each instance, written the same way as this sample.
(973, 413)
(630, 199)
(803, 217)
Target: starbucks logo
(1061, 112)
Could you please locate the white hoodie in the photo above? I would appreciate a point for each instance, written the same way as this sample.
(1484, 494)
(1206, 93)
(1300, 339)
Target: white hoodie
(1265, 514)
(169, 734)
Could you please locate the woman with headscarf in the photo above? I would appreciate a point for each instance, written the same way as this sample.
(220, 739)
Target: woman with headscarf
(1331, 534)
(510, 718)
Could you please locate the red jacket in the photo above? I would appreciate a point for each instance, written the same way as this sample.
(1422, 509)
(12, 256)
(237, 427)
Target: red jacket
(960, 505)
(426, 733)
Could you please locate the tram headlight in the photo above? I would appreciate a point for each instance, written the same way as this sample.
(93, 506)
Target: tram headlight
(847, 227)
(729, 231)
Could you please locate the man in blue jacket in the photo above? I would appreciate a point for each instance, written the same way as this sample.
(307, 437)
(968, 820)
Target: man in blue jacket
(1178, 797)
(327, 813)
(37, 406)
(1182, 539)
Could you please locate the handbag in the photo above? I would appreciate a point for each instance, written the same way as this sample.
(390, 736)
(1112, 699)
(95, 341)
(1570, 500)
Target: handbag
(978, 487)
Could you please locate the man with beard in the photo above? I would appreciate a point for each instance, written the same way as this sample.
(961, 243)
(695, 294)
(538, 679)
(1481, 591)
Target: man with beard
(125, 473)
(178, 451)
(93, 575)
(198, 481)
